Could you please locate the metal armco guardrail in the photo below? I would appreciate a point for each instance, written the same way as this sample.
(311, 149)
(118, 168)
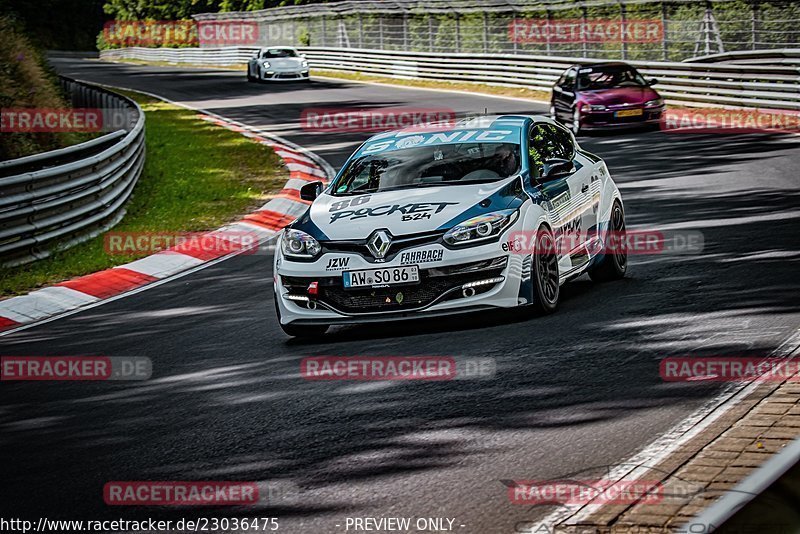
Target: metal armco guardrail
(786, 56)
(231, 55)
(57, 199)
(762, 85)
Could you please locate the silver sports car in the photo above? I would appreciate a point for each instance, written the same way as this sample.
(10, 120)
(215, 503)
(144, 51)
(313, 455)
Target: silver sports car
(277, 64)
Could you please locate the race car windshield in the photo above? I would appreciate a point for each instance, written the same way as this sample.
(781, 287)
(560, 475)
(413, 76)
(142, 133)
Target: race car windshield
(438, 165)
(278, 52)
(595, 78)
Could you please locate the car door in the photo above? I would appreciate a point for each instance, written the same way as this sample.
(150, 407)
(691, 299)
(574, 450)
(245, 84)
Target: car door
(584, 184)
(567, 197)
(564, 95)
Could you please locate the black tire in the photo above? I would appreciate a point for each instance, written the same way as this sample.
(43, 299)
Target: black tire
(575, 125)
(544, 273)
(250, 79)
(613, 265)
(303, 332)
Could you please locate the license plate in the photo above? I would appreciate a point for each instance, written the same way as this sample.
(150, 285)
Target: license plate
(389, 276)
(629, 113)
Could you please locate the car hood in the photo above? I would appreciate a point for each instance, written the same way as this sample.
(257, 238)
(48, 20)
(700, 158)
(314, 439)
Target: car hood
(618, 96)
(405, 211)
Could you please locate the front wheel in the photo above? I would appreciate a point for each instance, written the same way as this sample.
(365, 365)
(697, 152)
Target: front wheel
(250, 78)
(544, 273)
(613, 264)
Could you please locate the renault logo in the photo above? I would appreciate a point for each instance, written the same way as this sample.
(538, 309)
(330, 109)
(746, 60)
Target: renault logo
(379, 243)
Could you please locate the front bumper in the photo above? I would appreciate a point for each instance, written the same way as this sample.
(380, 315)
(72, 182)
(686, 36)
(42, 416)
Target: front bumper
(282, 75)
(603, 120)
(464, 280)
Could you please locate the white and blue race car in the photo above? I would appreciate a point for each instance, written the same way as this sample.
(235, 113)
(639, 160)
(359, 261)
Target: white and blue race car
(485, 213)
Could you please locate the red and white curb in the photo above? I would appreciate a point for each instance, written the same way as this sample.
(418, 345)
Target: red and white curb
(264, 223)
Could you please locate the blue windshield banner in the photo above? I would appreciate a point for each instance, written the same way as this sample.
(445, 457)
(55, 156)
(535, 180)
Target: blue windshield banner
(421, 139)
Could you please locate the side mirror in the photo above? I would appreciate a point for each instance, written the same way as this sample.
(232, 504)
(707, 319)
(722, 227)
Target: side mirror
(557, 168)
(311, 191)
(652, 81)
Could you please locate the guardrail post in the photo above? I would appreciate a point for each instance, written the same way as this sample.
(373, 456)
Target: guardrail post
(380, 31)
(324, 31)
(514, 38)
(458, 33)
(360, 30)
(547, 16)
(405, 30)
(753, 28)
(430, 33)
(664, 31)
(585, 51)
(485, 32)
(622, 30)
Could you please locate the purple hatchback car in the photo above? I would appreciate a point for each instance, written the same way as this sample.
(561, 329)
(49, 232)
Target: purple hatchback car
(605, 95)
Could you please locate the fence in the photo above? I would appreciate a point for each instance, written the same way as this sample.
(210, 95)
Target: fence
(57, 199)
(692, 84)
(687, 28)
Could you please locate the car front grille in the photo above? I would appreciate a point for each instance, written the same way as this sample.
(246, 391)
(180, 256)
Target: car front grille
(399, 243)
(609, 118)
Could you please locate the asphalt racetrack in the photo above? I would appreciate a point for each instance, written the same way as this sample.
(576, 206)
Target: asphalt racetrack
(573, 391)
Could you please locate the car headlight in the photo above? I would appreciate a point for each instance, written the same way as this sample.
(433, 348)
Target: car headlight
(593, 107)
(480, 228)
(265, 64)
(304, 64)
(297, 244)
(654, 103)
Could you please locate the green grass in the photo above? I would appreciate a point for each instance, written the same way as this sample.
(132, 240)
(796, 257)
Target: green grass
(197, 176)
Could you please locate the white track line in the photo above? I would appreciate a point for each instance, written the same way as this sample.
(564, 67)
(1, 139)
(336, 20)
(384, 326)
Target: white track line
(659, 450)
